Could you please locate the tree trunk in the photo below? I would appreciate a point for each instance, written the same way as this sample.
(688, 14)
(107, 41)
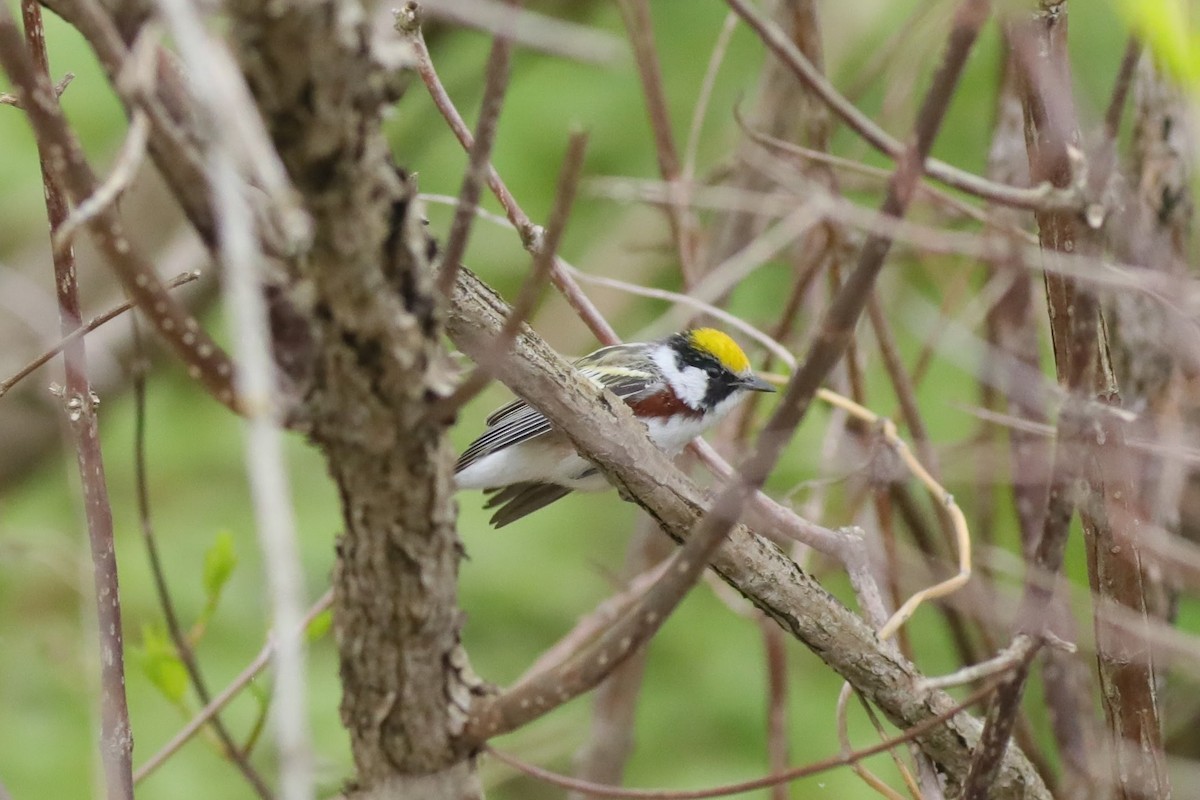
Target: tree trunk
(374, 367)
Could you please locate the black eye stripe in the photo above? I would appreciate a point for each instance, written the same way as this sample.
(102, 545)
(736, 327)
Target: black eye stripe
(694, 358)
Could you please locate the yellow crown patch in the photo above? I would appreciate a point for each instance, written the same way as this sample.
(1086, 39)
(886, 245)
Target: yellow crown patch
(721, 347)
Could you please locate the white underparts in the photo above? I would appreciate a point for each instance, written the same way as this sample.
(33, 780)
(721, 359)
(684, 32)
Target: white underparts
(551, 458)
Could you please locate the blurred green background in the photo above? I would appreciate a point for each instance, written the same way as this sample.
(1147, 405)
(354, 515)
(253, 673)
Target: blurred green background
(702, 716)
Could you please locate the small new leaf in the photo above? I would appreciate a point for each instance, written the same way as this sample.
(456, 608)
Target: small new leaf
(319, 626)
(162, 666)
(219, 563)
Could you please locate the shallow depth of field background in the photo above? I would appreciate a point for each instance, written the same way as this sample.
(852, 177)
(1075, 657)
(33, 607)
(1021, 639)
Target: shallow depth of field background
(701, 719)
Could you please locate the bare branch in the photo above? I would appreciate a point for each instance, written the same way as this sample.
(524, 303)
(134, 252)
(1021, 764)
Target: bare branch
(408, 22)
(205, 360)
(1120, 91)
(1043, 196)
(133, 151)
(529, 29)
(95, 322)
(1082, 362)
(607, 433)
(684, 229)
(841, 760)
(179, 637)
(226, 695)
(531, 290)
(9, 99)
(610, 741)
(79, 403)
(496, 76)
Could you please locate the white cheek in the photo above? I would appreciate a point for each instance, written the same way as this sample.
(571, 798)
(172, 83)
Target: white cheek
(691, 383)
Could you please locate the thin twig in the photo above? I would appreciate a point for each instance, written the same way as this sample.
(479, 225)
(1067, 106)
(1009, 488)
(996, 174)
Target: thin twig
(903, 384)
(129, 159)
(116, 736)
(172, 144)
(496, 76)
(552, 35)
(183, 647)
(1120, 90)
(684, 230)
(775, 655)
(704, 96)
(1002, 662)
(543, 262)
(205, 360)
(833, 762)
(604, 755)
(601, 617)
(1040, 197)
(95, 322)
(867, 776)
(939, 196)
(226, 144)
(962, 536)
(408, 23)
(9, 99)
(231, 691)
(905, 773)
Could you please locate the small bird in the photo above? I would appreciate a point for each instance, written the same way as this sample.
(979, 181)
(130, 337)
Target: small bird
(679, 387)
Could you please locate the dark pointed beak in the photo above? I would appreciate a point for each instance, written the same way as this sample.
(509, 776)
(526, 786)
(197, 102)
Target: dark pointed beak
(754, 383)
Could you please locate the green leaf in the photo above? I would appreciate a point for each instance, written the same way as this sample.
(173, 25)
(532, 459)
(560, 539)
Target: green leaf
(1164, 27)
(219, 563)
(320, 625)
(161, 664)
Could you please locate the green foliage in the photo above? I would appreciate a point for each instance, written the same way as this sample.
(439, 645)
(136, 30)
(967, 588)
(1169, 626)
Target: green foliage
(319, 626)
(161, 664)
(219, 563)
(1166, 28)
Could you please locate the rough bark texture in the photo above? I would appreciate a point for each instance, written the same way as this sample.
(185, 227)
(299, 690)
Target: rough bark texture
(366, 293)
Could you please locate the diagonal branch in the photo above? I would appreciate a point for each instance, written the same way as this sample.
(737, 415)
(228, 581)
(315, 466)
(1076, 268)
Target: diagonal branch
(205, 360)
(604, 430)
(1043, 196)
(542, 693)
(496, 75)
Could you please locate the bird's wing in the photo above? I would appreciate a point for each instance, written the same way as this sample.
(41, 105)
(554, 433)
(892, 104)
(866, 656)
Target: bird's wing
(519, 422)
(519, 499)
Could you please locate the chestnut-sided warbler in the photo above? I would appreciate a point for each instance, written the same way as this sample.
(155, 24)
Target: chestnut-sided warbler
(678, 386)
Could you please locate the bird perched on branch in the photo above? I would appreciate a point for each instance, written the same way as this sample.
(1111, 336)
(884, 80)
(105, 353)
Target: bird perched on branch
(678, 386)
